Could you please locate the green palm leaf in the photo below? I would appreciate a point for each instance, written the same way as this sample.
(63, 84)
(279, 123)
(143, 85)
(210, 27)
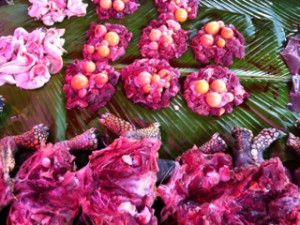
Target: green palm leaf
(265, 25)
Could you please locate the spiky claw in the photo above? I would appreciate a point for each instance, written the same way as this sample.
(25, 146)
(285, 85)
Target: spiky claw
(123, 128)
(214, 145)
(249, 150)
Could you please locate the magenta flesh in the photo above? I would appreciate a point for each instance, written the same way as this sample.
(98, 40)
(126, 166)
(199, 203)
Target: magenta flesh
(103, 14)
(198, 103)
(95, 38)
(119, 183)
(95, 95)
(157, 98)
(170, 6)
(205, 189)
(234, 48)
(161, 48)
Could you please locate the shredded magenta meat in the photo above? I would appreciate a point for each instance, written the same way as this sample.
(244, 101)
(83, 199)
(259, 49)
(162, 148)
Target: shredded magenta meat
(119, 183)
(234, 47)
(96, 38)
(113, 12)
(5, 185)
(166, 6)
(205, 189)
(233, 96)
(160, 92)
(95, 95)
(172, 42)
(46, 189)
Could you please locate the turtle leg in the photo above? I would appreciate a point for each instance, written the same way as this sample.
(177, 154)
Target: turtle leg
(32, 139)
(215, 144)
(116, 124)
(152, 131)
(261, 142)
(242, 146)
(85, 141)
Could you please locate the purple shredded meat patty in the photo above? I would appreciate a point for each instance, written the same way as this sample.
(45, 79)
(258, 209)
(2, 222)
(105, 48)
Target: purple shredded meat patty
(231, 95)
(99, 88)
(205, 189)
(151, 83)
(98, 46)
(221, 47)
(163, 38)
(119, 183)
(116, 9)
(170, 6)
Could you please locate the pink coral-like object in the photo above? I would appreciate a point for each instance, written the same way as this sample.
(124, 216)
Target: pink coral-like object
(52, 11)
(28, 59)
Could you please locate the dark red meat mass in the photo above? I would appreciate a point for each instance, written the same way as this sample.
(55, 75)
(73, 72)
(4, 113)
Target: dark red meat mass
(205, 189)
(106, 42)
(116, 9)
(163, 38)
(151, 83)
(96, 88)
(46, 187)
(221, 44)
(166, 6)
(222, 93)
(119, 183)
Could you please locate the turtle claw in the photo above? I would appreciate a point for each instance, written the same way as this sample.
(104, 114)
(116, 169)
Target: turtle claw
(85, 141)
(249, 150)
(34, 138)
(123, 128)
(214, 145)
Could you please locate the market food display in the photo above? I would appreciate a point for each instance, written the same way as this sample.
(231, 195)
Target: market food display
(190, 70)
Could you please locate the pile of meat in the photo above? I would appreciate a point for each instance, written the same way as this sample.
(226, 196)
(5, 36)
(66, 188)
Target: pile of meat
(99, 87)
(27, 59)
(117, 186)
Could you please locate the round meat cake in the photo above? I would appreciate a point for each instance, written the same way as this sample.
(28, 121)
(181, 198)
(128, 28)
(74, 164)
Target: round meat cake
(116, 9)
(163, 38)
(106, 42)
(151, 83)
(89, 85)
(218, 42)
(214, 91)
(181, 9)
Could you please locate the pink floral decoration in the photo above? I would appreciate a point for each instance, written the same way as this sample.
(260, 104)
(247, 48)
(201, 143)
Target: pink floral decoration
(51, 11)
(28, 59)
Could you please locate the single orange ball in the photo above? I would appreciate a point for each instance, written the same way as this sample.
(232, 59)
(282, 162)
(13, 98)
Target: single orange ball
(89, 67)
(155, 78)
(227, 33)
(101, 78)
(103, 51)
(213, 99)
(143, 79)
(154, 35)
(119, 5)
(181, 15)
(100, 30)
(166, 40)
(105, 4)
(221, 42)
(201, 86)
(218, 86)
(212, 27)
(79, 82)
(207, 40)
(89, 48)
(147, 88)
(112, 38)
